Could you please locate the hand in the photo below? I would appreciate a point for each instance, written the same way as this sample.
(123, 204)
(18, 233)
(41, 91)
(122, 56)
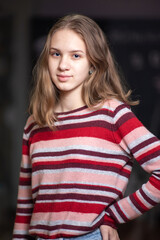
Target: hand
(109, 233)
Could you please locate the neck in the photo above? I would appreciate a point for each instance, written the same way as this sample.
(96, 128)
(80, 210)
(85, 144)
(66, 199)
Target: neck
(69, 102)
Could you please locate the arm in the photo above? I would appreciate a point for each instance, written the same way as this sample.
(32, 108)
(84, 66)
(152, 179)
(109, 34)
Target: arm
(134, 138)
(24, 201)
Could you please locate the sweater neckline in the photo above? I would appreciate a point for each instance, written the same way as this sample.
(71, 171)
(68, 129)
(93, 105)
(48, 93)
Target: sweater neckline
(71, 111)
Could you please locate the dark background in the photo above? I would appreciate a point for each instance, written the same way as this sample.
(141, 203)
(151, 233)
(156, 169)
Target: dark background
(133, 31)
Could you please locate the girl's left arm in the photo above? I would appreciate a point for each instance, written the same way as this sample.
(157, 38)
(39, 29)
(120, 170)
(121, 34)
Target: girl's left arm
(134, 138)
(24, 199)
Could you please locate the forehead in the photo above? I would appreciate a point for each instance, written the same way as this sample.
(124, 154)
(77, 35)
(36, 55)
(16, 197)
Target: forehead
(67, 37)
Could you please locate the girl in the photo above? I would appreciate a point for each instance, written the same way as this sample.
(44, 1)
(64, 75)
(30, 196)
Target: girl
(79, 142)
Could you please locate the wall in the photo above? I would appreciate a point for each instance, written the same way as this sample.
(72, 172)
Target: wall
(20, 15)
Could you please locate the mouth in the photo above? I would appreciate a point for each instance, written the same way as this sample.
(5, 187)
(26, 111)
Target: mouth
(63, 78)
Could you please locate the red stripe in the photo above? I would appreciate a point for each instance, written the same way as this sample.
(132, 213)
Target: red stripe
(95, 132)
(69, 206)
(143, 208)
(23, 236)
(26, 170)
(25, 181)
(149, 154)
(72, 111)
(96, 113)
(126, 128)
(149, 200)
(109, 221)
(62, 226)
(110, 167)
(122, 106)
(65, 226)
(29, 128)
(119, 210)
(25, 201)
(23, 219)
(77, 161)
(25, 150)
(81, 152)
(75, 196)
(78, 186)
(136, 204)
(24, 210)
(155, 182)
(144, 144)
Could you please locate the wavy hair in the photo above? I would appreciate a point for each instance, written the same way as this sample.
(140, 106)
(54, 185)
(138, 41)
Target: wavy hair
(104, 83)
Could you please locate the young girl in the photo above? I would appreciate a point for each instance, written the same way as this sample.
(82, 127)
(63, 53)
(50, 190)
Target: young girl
(79, 142)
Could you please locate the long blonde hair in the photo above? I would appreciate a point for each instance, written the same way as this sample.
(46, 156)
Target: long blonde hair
(104, 83)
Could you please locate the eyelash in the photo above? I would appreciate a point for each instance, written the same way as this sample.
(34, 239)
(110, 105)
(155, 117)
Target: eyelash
(56, 54)
(76, 56)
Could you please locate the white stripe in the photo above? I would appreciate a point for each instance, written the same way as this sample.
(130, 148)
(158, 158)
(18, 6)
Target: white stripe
(145, 149)
(80, 157)
(147, 204)
(120, 219)
(72, 201)
(150, 162)
(121, 113)
(78, 147)
(149, 195)
(80, 170)
(140, 139)
(133, 206)
(83, 182)
(89, 119)
(68, 222)
(78, 191)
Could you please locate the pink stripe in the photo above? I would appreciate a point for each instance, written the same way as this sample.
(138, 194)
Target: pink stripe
(65, 216)
(147, 149)
(21, 226)
(128, 210)
(25, 160)
(25, 193)
(152, 166)
(132, 136)
(154, 191)
(84, 141)
(79, 177)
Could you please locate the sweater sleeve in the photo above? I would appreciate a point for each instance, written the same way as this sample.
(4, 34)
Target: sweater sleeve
(137, 141)
(24, 201)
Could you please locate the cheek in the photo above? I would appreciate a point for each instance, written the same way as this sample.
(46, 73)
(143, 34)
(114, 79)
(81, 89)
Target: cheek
(84, 68)
(51, 68)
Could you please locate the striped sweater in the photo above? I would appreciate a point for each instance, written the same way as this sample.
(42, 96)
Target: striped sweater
(72, 179)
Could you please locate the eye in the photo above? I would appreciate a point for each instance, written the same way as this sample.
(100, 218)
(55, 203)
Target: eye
(76, 56)
(55, 54)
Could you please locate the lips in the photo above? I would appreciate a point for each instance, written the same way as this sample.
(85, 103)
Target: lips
(63, 78)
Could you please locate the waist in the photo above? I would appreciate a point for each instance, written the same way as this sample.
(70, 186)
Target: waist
(96, 234)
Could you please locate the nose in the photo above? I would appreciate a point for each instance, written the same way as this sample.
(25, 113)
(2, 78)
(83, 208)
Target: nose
(64, 63)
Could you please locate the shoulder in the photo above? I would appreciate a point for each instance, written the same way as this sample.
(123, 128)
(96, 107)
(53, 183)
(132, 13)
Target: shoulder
(30, 125)
(114, 105)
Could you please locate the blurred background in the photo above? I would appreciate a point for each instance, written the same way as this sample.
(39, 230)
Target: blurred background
(133, 30)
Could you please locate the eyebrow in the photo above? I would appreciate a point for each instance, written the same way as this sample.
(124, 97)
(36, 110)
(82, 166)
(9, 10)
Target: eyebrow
(72, 51)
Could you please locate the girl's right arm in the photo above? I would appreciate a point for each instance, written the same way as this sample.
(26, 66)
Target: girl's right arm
(24, 201)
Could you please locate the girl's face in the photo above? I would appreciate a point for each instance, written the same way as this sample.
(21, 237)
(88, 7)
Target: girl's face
(68, 62)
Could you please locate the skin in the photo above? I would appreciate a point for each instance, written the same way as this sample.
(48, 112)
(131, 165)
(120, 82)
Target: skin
(109, 233)
(69, 67)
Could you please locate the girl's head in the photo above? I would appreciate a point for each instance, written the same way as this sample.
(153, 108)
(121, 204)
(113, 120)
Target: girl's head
(102, 84)
(91, 34)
